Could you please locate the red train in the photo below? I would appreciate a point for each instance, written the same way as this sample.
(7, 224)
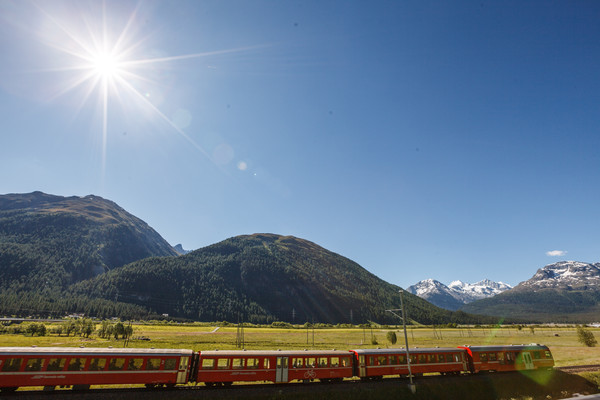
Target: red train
(81, 367)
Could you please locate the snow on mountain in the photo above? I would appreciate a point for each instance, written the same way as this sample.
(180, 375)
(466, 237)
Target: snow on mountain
(565, 275)
(458, 293)
(479, 290)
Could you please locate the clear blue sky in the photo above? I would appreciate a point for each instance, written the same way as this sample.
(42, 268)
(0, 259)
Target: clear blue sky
(421, 139)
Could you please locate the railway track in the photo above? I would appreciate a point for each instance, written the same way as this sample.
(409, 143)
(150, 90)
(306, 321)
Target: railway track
(579, 368)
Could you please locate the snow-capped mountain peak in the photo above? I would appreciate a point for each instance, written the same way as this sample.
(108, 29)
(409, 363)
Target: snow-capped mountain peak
(565, 275)
(458, 293)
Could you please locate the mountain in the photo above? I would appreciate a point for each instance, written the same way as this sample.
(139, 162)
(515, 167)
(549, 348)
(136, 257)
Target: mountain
(261, 278)
(566, 291)
(478, 290)
(564, 275)
(457, 294)
(50, 242)
(180, 250)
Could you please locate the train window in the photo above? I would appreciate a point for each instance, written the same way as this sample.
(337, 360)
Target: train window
(207, 363)
(371, 360)
(237, 363)
(413, 359)
(548, 354)
(510, 358)
(12, 364)
(223, 363)
(382, 360)
(311, 362)
(345, 361)
(56, 364)
(334, 361)
(431, 358)
(153, 364)
(322, 362)
(483, 357)
(267, 363)
(501, 358)
(422, 358)
(34, 364)
(536, 355)
(170, 363)
(402, 359)
(116, 364)
(492, 356)
(76, 364)
(441, 358)
(252, 363)
(297, 362)
(98, 364)
(135, 364)
(394, 360)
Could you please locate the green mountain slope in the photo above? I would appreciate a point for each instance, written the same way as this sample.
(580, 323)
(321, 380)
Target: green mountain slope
(261, 278)
(50, 242)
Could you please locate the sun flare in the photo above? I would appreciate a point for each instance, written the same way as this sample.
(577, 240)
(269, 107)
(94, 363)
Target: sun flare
(105, 65)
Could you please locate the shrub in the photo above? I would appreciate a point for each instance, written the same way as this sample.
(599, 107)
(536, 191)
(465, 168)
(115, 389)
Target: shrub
(586, 337)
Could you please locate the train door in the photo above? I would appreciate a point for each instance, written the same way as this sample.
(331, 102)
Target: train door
(282, 370)
(182, 372)
(362, 368)
(527, 360)
(464, 361)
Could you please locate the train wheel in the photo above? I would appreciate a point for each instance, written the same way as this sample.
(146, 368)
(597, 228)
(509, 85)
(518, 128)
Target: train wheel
(49, 388)
(227, 383)
(8, 389)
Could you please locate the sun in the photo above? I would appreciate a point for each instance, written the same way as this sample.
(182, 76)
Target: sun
(105, 65)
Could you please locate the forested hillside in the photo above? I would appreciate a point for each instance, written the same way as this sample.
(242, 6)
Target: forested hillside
(47, 243)
(262, 278)
(61, 255)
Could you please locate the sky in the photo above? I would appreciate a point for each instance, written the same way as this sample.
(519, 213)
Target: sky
(421, 139)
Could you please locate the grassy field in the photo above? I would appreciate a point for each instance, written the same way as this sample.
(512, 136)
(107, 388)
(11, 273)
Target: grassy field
(561, 340)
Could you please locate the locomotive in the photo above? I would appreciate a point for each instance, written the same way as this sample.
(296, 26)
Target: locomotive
(80, 368)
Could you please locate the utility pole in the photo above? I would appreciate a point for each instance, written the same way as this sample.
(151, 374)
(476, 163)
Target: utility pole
(411, 385)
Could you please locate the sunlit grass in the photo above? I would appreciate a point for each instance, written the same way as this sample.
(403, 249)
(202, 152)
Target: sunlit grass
(562, 341)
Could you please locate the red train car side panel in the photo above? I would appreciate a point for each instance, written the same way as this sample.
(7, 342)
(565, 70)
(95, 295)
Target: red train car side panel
(509, 358)
(31, 366)
(273, 366)
(374, 363)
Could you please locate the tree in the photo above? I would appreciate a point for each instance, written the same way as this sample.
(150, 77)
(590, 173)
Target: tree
(586, 337)
(119, 329)
(391, 337)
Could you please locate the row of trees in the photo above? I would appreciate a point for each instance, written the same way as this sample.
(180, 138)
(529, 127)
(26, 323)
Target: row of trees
(84, 327)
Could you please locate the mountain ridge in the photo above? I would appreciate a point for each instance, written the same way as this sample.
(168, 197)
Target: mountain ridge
(457, 294)
(565, 291)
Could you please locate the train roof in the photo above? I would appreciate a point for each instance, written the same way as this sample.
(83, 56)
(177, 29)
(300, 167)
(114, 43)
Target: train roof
(278, 353)
(413, 350)
(510, 347)
(89, 351)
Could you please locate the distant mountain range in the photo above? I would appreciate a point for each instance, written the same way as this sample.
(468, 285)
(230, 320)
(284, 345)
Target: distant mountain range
(62, 255)
(458, 293)
(566, 291)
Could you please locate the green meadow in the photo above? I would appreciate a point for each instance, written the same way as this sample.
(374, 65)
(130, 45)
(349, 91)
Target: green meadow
(561, 340)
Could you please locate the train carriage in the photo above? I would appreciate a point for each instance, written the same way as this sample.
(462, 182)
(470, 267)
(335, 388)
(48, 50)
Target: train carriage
(225, 367)
(82, 367)
(376, 363)
(509, 358)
